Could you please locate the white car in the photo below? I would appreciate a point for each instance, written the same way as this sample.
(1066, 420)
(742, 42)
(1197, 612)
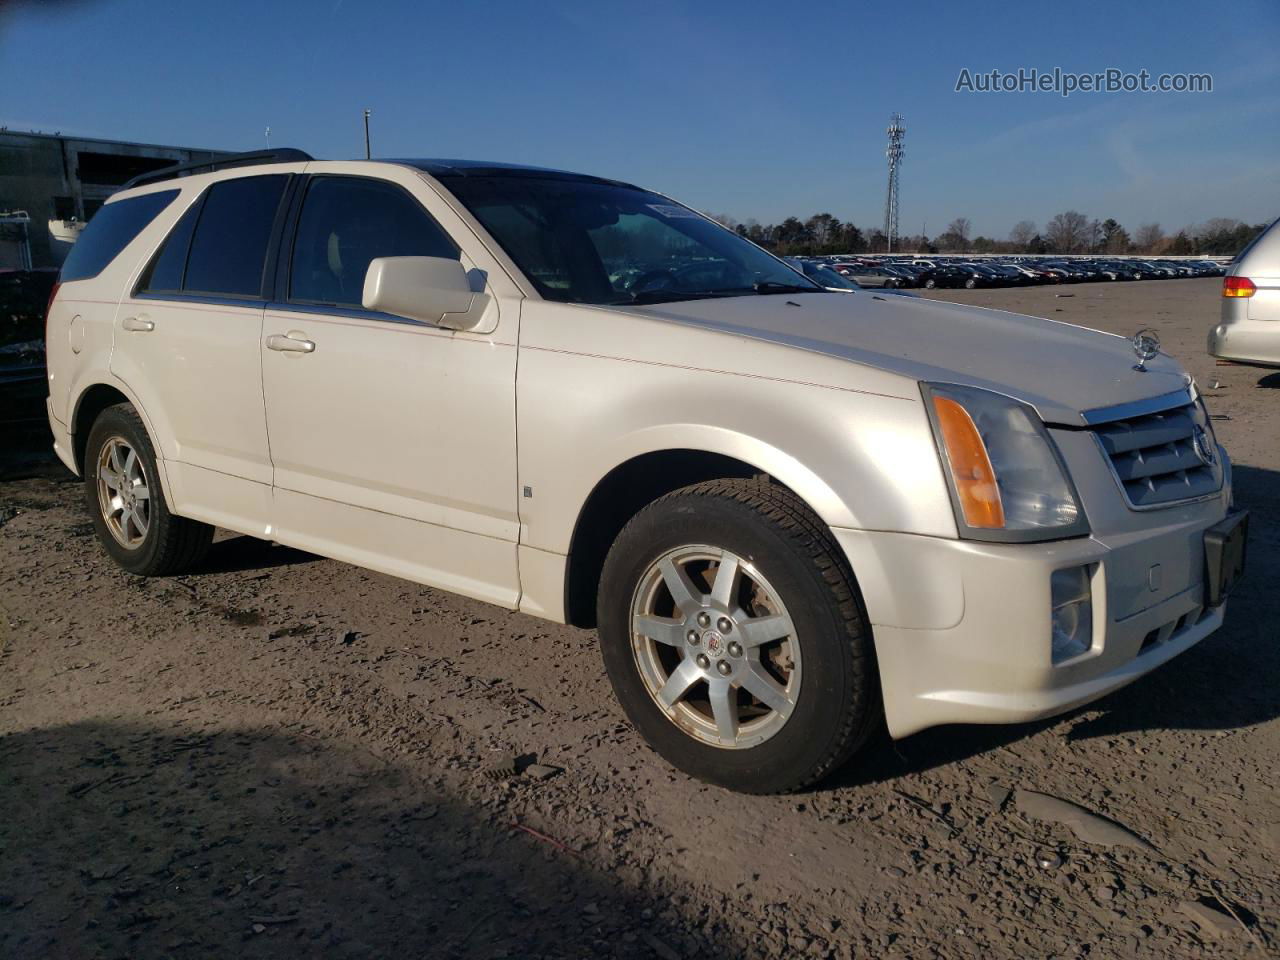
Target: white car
(792, 514)
(1249, 331)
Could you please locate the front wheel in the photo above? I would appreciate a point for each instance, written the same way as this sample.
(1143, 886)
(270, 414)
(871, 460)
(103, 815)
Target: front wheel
(126, 502)
(930, 284)
(970, 283)
(734, 637)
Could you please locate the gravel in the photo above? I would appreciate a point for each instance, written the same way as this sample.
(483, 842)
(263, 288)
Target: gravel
(286, 743)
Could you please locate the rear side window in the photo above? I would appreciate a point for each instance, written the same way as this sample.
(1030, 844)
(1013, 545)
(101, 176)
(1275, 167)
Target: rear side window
(109, 231)
(229, 248)
(164, 275)
(345, 223)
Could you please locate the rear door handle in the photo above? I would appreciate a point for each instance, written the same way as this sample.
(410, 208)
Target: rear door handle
(290, 344)
(138, 324)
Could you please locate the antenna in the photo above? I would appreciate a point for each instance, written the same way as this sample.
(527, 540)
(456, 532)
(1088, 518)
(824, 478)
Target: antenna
(897, 131)
(268, 138)
(367, 154)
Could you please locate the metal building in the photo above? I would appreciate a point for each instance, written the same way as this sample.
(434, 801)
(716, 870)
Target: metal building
(50, 185)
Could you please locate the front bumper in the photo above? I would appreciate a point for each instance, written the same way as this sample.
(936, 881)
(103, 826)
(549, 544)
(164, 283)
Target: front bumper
(1247, 341)
(962, 629)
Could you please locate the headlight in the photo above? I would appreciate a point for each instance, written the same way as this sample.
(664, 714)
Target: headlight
(1006, 478)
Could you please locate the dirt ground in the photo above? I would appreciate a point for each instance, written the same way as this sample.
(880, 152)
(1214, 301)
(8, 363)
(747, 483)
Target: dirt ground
(283, 756)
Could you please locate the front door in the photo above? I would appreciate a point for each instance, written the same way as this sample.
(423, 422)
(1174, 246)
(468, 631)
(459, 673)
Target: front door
(392, 441)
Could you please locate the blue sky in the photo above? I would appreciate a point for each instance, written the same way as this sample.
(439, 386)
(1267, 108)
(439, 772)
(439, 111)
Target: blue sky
(752, 109)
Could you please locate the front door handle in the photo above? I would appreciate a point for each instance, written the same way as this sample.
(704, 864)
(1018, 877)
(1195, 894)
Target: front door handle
(290, 344)
(138, 324)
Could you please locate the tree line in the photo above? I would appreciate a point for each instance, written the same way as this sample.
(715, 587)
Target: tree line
(1066, 232)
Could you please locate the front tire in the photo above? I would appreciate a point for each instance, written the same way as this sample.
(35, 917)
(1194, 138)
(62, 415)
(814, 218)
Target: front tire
(733, 634)
(970, 283)
(127, 505)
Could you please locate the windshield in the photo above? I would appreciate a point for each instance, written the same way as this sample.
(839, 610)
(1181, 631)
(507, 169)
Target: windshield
(583, 241)
(824, 275)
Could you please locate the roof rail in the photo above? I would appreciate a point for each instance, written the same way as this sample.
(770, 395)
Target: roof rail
(283, 155)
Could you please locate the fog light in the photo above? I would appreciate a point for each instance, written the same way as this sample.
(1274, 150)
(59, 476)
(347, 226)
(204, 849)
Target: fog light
(1072, 601)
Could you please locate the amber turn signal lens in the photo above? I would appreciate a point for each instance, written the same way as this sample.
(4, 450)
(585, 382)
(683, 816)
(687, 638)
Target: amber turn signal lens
(970, 466)
(1237, 287)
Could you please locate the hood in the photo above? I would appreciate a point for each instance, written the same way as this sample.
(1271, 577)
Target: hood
(1059, 368)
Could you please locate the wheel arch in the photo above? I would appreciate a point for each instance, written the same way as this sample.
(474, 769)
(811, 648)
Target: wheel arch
(631, 485)
(88, 405)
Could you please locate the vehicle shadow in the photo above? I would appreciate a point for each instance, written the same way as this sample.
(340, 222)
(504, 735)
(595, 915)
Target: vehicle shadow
(238, 553)
(1223, 683)
(149, 841)
(1270, 381)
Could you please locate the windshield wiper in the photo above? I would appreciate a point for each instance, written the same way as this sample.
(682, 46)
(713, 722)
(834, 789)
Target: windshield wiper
(672, 296)
(765, 287)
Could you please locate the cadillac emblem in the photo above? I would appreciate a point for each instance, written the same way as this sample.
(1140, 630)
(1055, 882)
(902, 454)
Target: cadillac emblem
(1203, 445)
(1146, 345)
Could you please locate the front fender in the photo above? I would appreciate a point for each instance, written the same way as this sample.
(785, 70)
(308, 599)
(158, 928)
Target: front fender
(859, 460)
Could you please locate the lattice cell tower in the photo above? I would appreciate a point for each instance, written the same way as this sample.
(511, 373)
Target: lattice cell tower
(893, 152)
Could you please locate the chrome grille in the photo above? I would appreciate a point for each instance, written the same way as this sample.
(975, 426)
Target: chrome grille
(1154, 456)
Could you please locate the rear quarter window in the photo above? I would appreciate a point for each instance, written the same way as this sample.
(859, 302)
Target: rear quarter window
(110, 230)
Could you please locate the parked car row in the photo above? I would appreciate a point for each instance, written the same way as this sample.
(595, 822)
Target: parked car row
(931, 272)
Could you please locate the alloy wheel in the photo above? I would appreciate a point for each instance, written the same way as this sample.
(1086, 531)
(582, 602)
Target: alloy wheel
(124, 494)
(715, 646)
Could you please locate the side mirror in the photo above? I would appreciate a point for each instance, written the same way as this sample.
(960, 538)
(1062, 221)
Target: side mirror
(430, 289)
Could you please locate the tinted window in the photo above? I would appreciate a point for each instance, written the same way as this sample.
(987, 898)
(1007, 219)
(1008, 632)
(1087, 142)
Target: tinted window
(345, 223)
(110, 231)
(165, 272)
(229, 249)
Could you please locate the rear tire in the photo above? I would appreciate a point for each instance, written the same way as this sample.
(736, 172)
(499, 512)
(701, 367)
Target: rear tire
(123, 494)
(788, 578)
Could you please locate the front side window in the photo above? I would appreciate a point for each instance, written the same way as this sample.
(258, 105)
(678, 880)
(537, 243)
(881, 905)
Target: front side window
(110, 230)
(587, 241)
(346, 222)
(229, 247)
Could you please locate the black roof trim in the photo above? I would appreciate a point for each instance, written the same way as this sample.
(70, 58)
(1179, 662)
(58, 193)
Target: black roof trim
(283, 155)
(444, 169)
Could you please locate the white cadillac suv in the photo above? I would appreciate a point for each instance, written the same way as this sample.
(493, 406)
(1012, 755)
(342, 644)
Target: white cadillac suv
(792, 514)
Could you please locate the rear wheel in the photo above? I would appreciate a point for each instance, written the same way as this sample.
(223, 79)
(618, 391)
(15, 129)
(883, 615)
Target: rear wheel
(129, 511)
(970, 283)
(733, 636)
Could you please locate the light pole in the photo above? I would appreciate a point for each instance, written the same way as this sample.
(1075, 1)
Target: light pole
(367, 154)
(897, 130)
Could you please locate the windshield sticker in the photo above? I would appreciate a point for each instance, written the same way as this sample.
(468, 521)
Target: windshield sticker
(671, 211)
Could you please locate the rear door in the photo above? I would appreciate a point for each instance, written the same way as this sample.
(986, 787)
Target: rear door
(393, 441)
(187, 342)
